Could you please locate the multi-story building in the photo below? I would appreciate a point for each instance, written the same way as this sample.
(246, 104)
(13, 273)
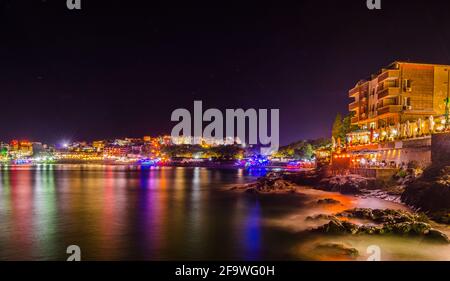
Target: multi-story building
(396, 111)
(19, 149)
(116, 151)
(401, 92)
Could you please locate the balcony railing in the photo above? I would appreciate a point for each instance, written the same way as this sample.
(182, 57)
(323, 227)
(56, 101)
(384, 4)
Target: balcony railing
(354, 105)
(389, 92)
(389, 109)
(353, 91)
(388, 74)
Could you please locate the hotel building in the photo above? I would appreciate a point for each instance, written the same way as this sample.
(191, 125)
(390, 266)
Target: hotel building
(396, 111)
(401, 92)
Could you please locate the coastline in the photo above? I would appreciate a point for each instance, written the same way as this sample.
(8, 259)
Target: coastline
(337, 221)
(321, 224)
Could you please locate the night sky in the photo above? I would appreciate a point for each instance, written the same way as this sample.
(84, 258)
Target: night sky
(119, 68)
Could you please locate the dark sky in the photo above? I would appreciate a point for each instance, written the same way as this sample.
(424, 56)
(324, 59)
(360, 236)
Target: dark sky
(119, 68)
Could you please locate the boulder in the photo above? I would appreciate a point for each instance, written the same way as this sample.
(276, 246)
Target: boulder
(336, 249)
(437, 236)
(395, 222)
(272, 182)
(347, 184)
(431, 192)
(382, 216)
(321, 217)
(328, 201)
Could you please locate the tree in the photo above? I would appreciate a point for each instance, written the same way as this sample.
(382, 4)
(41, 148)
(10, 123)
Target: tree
(337, 129)
(306, 151)
(343, 126)
(347, 126)
(227, 151)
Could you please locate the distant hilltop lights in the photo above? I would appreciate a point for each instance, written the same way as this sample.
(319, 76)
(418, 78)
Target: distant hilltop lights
(143, 151)
(206, 141)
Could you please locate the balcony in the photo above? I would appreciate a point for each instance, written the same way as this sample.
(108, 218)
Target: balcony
(388, 74)
(353, 106)
(389, 109)
(355, 91)
(389, 92)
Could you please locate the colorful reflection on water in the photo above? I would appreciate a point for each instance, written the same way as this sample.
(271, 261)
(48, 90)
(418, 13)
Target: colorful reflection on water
(129, 213)
(118, 212)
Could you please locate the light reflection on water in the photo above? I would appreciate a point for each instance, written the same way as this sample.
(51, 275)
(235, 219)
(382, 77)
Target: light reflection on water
(128, 213)
(118, 212)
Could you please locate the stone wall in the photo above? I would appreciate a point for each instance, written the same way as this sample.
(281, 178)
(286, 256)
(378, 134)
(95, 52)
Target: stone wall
(379, 173)
(440, 149)
(406, 151)
(424, 151)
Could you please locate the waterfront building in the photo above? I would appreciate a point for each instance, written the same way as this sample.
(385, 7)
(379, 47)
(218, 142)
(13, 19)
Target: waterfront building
(98, 145)
(396, 111)
(20, 149)
(206, 141)
(4, 148)
(401, 92)
(404, 100)
(116, 151)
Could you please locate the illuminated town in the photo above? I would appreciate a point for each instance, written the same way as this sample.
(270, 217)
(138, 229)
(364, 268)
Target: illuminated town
(126, 150)
(152, 151)
(196, 137)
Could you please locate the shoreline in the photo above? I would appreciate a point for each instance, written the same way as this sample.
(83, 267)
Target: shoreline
(333, 218)
(218, 165)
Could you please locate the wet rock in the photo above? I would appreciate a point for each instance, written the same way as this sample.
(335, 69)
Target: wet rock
(351, 227)
(431, 191)
(441, 216)
(409, 228)
(437, 236)
(251, 191)
(391, 194)
(394, 222)
(383, 216)
(321, 217)
(336, 249)
(272, 182)
(336, 226)
(333, 227)
(346, 184)
(328, 201)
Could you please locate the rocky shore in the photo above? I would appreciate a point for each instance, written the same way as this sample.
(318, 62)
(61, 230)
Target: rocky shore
(278, 182)
(273, 182)
(381, 222)
(428, 192)
(336, 222)
(431, 193)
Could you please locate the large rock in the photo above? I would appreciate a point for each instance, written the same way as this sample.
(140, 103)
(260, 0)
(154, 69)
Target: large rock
(383, 216)
(437, 236)
(393, 222)
(431, 192)
(272, 182)
(348, 184)
(328, 201)
(336, 249)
